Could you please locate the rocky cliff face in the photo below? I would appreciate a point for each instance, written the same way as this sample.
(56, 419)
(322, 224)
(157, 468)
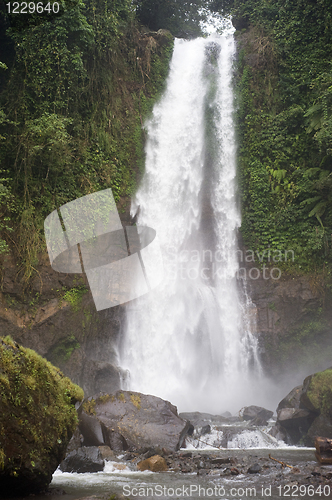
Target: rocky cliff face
(294, 322)
(57, 318)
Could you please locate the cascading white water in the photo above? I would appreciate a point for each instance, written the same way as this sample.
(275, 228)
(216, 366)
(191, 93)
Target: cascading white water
(190, 340)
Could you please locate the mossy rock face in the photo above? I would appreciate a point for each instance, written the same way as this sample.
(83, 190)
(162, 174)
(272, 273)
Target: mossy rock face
(317, 393)
(37, 419)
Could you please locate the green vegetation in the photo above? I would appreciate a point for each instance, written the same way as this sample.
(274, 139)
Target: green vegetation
(78, 87)
(320, 392)
(136, 400)
(284, 112)
(89, 406)
(121, 397)
(74, 297)
(38, 415)
(104, 398)
(61, 352)
(182, 18)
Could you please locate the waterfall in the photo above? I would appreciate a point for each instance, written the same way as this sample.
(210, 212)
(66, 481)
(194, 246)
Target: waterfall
(191, 339)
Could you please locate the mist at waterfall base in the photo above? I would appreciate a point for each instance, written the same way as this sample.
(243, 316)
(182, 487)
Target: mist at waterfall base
(192, 340)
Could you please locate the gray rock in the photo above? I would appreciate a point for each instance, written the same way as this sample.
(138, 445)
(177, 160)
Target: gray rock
(305, 401)
(85, 459)
(280, 433)
(220, 461)
(106, 453)
(75, 442)
(198, 419)
(295, 421)
(257, 414)
(321, 426)
(131, 420)
(292, 400)
(254, 469)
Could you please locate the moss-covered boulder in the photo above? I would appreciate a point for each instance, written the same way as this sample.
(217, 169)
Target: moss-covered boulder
(317, 393)
(306, 412)
(37, 419)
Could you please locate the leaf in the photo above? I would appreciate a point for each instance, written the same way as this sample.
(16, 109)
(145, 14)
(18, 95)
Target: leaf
(311, 200)
(319, 209)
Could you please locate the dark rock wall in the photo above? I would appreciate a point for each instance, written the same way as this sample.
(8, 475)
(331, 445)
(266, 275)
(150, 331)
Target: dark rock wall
(70, 333)
(294, 323)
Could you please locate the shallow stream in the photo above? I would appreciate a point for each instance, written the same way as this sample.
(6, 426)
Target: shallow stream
(272, 482)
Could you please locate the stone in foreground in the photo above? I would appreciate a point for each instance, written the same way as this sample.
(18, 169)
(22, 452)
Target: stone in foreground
(155, 464)
(85, 459)
(37, 419)
(131, 421)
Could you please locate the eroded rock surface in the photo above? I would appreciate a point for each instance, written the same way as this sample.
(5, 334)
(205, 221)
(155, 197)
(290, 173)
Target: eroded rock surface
(130, 421)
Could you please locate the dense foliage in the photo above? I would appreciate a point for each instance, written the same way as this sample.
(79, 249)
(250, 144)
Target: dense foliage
(182, 17)
(75, 88)
(285, 127)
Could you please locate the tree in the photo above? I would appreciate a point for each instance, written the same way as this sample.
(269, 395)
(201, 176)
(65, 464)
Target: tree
(182, 18)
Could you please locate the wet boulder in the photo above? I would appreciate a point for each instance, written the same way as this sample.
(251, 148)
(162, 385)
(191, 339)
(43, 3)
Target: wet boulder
(256, 414)
(306, 412)
(296, 422)
(321, 426)
(131, 421)
(198, 419)
(316, 395)
(292, 400)
(85, 459)
(254, 469)
(279, 433)
(154, 464)
(37, 419)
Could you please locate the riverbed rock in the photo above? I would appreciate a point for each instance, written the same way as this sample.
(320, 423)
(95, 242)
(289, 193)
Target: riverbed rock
(254, 469)
(199, 419)
(131, 421)
(155, 464)
(37, 419)
(85, 459)
(280, 433)
(106, 453)
(256, 414)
